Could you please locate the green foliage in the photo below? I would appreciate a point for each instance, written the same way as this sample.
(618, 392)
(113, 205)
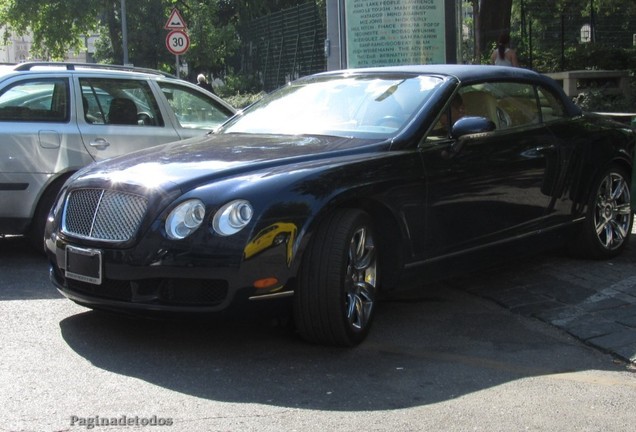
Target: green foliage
(243, 100)
(552, 29)
(237, 84)
(213, 38)
(145, 34)
(240, 90)
(250, 9)
(594, 56)
(548, 61)
(57, 25)
(597, 100)
(585, 57)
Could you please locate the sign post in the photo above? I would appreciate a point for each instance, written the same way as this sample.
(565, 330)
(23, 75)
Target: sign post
(177, 41)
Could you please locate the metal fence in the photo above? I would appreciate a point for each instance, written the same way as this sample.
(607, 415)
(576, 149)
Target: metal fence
(545, 28)
(284, 45)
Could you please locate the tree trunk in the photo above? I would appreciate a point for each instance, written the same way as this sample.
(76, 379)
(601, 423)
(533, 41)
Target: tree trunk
(492, 18)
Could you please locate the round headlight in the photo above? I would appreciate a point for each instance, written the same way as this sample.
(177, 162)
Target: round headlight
(232, 217)
(184, 219)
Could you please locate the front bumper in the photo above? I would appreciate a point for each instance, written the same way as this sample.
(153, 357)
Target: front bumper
(177, 281)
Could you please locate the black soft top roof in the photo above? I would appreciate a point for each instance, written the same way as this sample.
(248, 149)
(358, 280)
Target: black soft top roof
(468, 74)
(461, 72)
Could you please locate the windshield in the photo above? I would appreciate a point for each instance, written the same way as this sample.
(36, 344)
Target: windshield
(359, 106)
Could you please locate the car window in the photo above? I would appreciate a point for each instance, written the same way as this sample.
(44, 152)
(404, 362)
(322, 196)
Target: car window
(119, 102)
(551, 107)
(507, 104)
(41, 100)
(517, 105)
(194, 110)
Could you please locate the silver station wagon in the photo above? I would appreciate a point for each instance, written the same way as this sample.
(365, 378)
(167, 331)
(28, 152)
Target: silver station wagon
(58, 117)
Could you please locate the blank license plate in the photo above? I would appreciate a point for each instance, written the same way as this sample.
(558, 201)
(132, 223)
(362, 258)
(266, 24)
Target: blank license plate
(84, 264)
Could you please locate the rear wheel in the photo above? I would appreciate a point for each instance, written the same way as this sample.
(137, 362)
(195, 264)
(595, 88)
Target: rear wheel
(609, 218)
(335, 298)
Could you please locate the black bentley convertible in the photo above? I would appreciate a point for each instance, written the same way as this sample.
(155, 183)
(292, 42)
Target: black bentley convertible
(341, 187)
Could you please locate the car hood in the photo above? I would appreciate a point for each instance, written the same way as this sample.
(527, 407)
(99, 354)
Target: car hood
(218, 156)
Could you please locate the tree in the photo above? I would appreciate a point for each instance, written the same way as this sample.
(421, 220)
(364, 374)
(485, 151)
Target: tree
(56, 25)
(212, 34)
(548, 33)
(492, 17)
(248, 10)
(146, 36)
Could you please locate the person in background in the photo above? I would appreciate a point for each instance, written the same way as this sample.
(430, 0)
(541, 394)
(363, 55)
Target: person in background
(503, 55)
(202, 82)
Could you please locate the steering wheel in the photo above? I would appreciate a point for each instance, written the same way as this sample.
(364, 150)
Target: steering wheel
(145, 118)
(504, 118)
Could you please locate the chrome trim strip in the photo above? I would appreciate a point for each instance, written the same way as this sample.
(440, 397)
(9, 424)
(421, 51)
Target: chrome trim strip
(99, 203)
(272, 296)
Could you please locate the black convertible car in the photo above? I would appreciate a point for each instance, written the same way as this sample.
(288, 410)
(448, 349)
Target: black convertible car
(343, 186)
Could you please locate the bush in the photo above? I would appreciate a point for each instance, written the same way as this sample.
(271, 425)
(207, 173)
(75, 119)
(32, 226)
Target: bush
(242, 100)
(240, 90)
(595, 100)
(596, 56)
(235, 84)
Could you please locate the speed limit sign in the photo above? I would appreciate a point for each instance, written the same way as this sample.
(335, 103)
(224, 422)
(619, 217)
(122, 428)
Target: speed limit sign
(177, 42)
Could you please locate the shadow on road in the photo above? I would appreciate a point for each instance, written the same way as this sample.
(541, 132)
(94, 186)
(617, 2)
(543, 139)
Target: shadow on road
(445, 345)
(436, 345)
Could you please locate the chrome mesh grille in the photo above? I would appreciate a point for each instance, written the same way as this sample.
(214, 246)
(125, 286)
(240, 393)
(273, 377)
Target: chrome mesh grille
(103, 214)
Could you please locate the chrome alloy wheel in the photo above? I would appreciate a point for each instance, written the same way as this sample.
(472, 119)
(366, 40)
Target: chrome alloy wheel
(334, 301)
(612, 216)
(360, 283)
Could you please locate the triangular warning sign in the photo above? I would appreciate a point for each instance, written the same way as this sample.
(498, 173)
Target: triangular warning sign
(175, 22)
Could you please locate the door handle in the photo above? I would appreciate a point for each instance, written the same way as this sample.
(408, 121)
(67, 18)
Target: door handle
(545, 148)
(99, 144)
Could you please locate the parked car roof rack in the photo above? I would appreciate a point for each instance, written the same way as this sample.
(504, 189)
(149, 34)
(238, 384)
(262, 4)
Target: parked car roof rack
(74, 66)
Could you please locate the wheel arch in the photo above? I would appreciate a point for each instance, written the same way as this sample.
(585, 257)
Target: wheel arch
(591, 242)
(42, 207)
(53, 185)
(586, 183)
(389, 233)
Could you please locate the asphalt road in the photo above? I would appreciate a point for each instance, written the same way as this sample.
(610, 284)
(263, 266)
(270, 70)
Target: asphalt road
(452, 358)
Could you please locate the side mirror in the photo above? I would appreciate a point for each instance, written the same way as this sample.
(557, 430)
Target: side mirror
(471, 125)
(467, 126)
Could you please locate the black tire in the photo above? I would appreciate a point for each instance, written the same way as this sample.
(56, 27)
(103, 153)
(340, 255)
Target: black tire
(334, 303)
(609, 217)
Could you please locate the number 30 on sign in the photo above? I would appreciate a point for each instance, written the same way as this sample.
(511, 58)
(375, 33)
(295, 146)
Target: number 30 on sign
(177, 42)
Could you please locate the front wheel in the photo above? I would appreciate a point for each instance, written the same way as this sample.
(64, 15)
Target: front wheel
(609, 217)
(334, 303)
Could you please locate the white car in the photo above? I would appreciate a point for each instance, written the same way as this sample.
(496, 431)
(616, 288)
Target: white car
(58, 117)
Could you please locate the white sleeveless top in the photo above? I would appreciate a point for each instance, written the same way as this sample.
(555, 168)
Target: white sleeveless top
(502, 61)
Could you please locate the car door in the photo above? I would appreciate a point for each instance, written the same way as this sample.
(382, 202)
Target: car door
(490, 187)
(37, 140)
(120, 115)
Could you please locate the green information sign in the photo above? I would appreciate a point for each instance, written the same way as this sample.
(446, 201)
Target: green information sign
(394, 32)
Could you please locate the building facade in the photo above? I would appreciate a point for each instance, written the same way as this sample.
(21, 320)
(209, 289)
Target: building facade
(18, 50)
